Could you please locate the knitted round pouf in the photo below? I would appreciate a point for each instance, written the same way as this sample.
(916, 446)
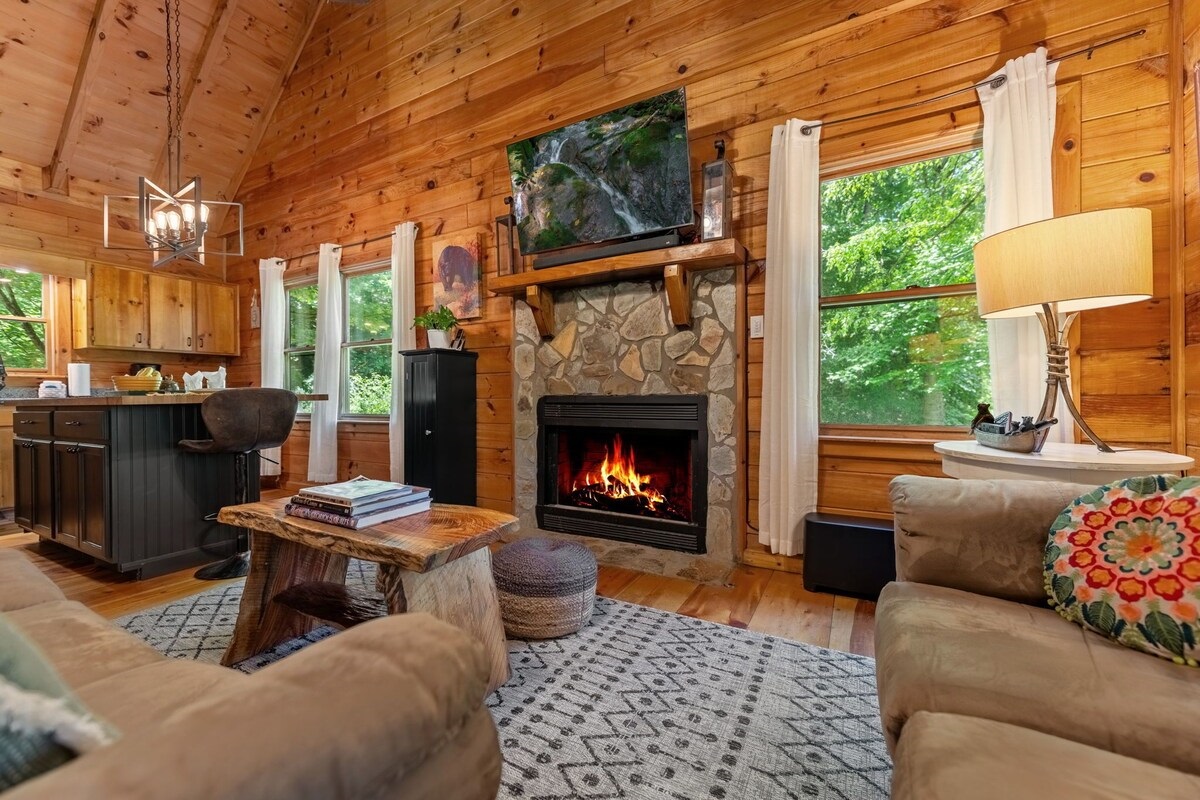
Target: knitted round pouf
(547, 587)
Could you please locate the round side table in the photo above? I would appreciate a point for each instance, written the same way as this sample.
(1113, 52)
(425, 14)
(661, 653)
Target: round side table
(1074, 463)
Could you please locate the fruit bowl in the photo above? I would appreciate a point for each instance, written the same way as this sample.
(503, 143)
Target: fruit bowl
(135, 383)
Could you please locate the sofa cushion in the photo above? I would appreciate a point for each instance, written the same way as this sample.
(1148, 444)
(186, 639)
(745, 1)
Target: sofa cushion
(941, 649)
(1124, 560)
(22, 584)
(83, 646)
(142, 697)
(949, 757)
(42, 724)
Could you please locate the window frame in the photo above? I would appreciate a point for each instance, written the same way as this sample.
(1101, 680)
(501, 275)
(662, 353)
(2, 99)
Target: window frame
(835, 171)
(43, 320)
(370, 268)
(287, 327)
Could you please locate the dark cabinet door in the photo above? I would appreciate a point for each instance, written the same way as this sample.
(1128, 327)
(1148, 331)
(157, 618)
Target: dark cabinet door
(68, 497)
(420, 411)
(34, 483)
(439, 430)
(81, 476)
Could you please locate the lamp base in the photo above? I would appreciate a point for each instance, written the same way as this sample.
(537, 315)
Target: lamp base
(1057, 377)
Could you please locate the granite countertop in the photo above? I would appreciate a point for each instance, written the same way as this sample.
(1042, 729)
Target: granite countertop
(109, 399)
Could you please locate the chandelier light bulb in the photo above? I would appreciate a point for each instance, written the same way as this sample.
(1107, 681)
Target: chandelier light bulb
(160, 220)
(189, 213)
(204, 213)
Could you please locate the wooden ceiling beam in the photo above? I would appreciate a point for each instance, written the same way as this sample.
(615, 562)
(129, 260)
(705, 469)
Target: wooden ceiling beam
(268, 108)
(208, 59)
(54, 175)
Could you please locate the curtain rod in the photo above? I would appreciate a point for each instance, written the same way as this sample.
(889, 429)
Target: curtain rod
(340, 246)
(995, 83)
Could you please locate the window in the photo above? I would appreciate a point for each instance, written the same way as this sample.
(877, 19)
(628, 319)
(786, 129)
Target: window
(23, 326)
(300, 348)
(367, 345)
(901, 338)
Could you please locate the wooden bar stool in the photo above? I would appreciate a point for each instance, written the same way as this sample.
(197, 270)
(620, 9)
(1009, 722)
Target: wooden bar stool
(241, 421)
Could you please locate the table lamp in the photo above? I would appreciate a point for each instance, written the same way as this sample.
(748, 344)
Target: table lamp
(1058, 267)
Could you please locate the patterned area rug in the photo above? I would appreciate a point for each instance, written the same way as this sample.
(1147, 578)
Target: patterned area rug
(639, 704)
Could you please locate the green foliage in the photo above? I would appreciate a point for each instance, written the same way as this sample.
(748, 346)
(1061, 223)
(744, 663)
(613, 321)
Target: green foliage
(912, 362)
(369, 380)
(437, 319)
(302, 316)
(22, 343)
(554, 234)
(521, 157)
(369, 306)
(644, 145)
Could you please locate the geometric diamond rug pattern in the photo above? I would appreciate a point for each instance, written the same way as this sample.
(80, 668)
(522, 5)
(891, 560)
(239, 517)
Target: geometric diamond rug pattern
(641, 703)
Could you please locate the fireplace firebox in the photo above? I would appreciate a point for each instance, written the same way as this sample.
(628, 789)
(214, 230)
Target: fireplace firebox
(633, 469)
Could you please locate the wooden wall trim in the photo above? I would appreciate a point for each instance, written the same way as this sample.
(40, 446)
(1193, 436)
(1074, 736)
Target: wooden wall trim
(1177, 76)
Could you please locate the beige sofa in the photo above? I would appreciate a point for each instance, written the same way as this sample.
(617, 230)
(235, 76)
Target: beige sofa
(389, 709)
(985, 692)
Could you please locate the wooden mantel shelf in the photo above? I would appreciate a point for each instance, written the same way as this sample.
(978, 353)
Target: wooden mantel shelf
(672, 265)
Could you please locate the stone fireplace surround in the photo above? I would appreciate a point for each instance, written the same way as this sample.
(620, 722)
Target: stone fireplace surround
(617, 339)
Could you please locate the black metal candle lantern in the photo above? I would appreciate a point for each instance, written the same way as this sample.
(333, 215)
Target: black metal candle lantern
(508, 255)
(717, 206)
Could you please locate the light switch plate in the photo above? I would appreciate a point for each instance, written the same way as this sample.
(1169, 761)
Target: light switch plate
(756, 327)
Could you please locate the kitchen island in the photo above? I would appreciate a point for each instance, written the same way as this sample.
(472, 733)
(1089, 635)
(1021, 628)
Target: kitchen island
(105, 476)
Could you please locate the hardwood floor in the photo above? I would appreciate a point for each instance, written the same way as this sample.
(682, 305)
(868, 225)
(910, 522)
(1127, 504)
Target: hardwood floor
(762, 600)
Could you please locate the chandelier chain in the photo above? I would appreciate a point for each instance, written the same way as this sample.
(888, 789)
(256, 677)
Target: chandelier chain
(174, 102)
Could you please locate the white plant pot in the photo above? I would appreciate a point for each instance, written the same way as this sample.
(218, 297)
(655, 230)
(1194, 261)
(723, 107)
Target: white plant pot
(438, 339)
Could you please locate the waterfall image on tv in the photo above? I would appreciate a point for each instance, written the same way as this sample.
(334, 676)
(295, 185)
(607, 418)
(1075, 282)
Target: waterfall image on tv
(614, 176)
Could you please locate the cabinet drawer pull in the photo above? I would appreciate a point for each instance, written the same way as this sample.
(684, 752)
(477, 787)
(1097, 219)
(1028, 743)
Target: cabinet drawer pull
(189, 344)
(200, 342)
(139, 338)
(428, 432)
(72, 422)
(27, 422)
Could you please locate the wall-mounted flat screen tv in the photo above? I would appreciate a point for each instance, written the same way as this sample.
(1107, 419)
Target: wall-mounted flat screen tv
(615, 176)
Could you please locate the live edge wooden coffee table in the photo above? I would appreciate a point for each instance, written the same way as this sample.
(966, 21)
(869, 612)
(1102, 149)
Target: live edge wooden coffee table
(437, 561)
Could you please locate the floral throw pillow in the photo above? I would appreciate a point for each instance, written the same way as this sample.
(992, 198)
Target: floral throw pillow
(1124, 561)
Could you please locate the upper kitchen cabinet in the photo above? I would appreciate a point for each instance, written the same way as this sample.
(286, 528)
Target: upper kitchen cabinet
(217, 319)
(123, 309)
(110, 309)
(172, 313)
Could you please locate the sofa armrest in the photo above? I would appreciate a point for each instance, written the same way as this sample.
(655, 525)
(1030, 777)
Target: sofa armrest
(349, 717)
(986, 537)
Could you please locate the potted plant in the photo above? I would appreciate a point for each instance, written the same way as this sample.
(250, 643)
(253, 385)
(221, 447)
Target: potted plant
(437, 322)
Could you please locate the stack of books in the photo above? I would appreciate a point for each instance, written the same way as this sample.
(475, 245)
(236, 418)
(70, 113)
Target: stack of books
(358, 503)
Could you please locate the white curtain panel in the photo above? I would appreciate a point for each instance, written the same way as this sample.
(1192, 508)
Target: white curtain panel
(787, 483)
(322, 446)
(1018, 140)
(273, 320)
(404, 308)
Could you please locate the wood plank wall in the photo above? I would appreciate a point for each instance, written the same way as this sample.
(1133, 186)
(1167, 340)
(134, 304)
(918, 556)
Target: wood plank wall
(1188, 236)
(401, 111)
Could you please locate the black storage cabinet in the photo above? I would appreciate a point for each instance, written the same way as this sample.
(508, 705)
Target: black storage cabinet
(439, 423)
(848, 555)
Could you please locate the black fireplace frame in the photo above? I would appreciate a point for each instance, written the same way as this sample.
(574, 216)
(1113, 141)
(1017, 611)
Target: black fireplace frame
(681, 412)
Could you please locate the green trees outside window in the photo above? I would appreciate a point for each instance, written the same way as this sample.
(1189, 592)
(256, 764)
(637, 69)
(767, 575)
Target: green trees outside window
(22, 320)
(367, 365)
(895, 348)
(366, 343)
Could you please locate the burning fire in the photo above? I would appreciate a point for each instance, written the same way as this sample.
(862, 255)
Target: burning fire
(618, 479)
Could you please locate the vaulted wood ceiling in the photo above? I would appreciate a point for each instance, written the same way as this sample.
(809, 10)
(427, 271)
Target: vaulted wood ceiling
(83, 110)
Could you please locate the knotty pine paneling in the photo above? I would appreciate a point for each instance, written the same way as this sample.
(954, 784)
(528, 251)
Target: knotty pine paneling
(1187, 221)
(399, 112)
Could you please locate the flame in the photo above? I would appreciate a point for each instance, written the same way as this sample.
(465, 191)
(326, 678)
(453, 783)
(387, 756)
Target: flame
(618, 477)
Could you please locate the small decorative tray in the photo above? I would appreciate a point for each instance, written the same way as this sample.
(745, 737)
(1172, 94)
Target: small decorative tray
(1021, 442)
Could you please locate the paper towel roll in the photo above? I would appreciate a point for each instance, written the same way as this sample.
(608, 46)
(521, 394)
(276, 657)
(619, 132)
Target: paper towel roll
(79, 380)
